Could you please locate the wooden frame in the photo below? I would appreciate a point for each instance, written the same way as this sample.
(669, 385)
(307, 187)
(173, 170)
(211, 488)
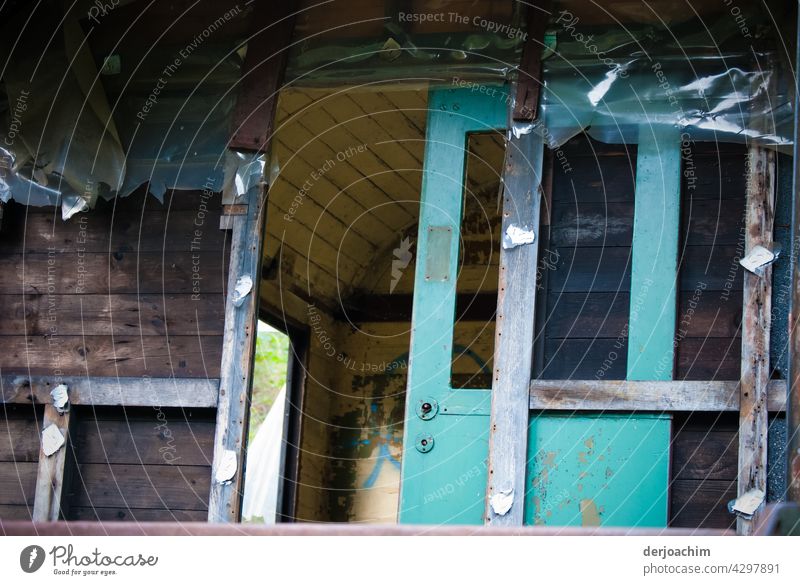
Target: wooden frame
(646, 396)
(513, 361)
(756, 323)
(99, 391)
(236, 372)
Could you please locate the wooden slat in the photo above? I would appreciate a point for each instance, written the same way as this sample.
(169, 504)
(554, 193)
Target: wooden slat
(148, 230)
(704, 454)
(99, 391)
(17, 483)
(756, 323)
(19, 441)
(50, 476)
(267, 49)
(162, 439)
(124, 514)
(112, 314)
(181, 356)
(236, 369)
(158, 487)
(118, 272)
(654, 396)
(701, 503)
(514, 331)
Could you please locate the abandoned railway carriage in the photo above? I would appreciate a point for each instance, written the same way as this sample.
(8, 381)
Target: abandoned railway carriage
(534, 260)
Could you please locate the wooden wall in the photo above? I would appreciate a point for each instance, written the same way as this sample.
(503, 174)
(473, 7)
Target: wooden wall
(588, 301)
(132, 288)
(19, 457)
(144, 464)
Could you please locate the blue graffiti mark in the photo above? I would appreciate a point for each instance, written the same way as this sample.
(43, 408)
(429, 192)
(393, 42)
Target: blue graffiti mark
(383, 455)
(383, 449)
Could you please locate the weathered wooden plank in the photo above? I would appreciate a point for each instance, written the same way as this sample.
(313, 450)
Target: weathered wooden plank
(118, 272)
(585, 359)
(514, 334)
(267, 49)
(112, 314)
(591, 269)
(124, 514)
(102, 391)
(701, 503)
(656, 396)
(591, 315)
(19, 440)
(704, 454)
(756, 324)
(709, 359)
(603, 223)
(164, 439)
(158, 487)
(12, 512)
(18, 482)
(50, 476)
(181, 356)
(236, 369)
(152, 230)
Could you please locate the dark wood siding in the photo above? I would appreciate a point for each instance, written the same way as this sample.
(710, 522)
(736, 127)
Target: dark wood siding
(144, 464)
(587, 261)
(19, 457)
(111, 292)
(586, 317)
(114, 292)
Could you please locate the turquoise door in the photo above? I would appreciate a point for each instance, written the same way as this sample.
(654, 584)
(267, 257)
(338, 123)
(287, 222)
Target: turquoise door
(583, 469)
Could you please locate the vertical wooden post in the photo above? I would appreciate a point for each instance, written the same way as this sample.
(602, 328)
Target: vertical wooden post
(253, 121)
(756, 322)
(238, 348)
(513, 357)
(50, 477)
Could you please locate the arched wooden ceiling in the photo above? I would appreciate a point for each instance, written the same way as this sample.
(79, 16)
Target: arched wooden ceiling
(345, 186)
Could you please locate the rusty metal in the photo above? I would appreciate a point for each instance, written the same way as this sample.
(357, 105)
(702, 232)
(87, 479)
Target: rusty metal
(21, 528)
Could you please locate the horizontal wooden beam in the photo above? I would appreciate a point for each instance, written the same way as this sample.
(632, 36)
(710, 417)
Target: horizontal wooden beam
(162, 392)
(692, 396)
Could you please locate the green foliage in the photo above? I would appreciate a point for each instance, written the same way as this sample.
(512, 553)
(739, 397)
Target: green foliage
(269, 374)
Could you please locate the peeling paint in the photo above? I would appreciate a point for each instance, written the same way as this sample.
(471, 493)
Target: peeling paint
(590, 516)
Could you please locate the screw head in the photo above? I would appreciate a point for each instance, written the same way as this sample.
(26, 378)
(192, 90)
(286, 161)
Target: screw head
(424, 443)
(427, 408)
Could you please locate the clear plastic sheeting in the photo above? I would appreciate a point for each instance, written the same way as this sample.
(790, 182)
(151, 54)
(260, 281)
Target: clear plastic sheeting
(703, 76)
(412, 42)
(243, 171)
(167, 125)
(59, 138)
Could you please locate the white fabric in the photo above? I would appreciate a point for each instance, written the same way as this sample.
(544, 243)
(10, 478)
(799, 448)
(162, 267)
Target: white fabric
(263, 466)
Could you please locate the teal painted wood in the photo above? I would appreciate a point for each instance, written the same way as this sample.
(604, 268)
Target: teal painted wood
(446, 484)
(614, 469)
(654, 269)
(593, 469)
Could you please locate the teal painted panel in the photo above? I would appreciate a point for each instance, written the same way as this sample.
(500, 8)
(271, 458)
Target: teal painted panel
(591, 470)
(447, 484)
(656, 227)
